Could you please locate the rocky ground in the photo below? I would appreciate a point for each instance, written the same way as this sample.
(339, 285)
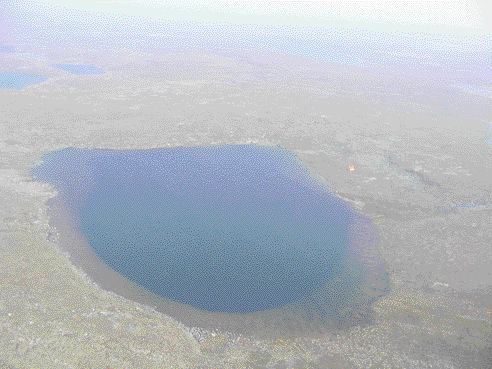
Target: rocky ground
(423, 175)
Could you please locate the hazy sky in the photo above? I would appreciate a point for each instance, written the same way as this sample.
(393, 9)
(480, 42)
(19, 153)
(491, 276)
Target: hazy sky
(431, 15)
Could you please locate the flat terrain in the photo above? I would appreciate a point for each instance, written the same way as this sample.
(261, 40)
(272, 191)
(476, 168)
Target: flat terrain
(423, 174)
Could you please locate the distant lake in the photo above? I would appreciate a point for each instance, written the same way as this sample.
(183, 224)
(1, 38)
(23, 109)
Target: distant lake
(17, 80)
(80, 69)
(6, 48)
(230, 229)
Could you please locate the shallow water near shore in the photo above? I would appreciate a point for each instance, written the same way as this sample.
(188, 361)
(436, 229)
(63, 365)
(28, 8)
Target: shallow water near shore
(228, 236)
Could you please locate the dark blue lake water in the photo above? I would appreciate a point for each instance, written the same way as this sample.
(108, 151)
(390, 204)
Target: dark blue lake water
(237, 228)
(17, 80)
(80, 69)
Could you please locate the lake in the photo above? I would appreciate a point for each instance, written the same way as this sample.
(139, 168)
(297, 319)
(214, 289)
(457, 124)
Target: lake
(79, 69)
(18, 80)
(489, 134)
(6, 48)
(228, 229)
